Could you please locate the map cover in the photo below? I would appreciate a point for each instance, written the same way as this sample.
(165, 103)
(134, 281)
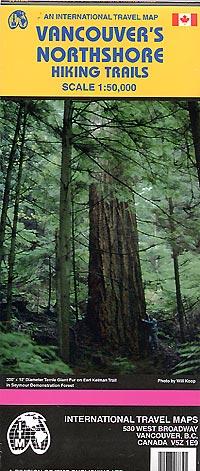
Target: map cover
(99, 235)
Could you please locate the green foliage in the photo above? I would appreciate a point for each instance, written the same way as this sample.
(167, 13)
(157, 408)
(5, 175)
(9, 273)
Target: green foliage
(19, 354)
(138, 150)
(190, 358)
(122, 365)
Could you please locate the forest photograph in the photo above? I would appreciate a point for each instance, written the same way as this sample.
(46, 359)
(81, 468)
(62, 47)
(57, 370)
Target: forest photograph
(99, 236)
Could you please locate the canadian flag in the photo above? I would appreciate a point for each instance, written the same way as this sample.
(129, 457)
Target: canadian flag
(184, 19)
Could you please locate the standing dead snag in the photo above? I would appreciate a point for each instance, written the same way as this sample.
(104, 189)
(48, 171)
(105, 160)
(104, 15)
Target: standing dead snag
(175, 256)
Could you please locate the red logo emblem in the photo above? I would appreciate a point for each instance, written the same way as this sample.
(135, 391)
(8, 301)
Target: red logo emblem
(184, 19)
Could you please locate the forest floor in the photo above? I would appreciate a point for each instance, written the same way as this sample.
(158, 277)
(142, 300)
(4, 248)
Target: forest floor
(88, 356)
(102, 363)
(92, 357)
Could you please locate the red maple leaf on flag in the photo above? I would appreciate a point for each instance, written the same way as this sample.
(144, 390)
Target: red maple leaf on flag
(184, 19)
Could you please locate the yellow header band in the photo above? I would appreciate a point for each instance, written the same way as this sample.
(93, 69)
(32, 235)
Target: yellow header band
(99, 51)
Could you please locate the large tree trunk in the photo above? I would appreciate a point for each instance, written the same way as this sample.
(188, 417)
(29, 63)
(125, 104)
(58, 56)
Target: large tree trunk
(194, 113)
(179, 302)
(65, 232)
(116, 301)
(8, 184)
(11, 258)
